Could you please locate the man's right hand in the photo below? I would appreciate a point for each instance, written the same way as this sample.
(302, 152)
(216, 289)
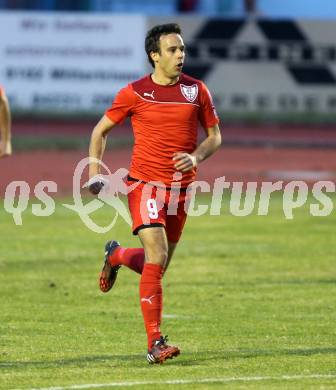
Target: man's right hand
(96, 183)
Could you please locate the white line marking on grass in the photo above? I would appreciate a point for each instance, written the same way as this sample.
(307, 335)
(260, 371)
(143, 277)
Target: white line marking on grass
(188, 381)
(176, 316)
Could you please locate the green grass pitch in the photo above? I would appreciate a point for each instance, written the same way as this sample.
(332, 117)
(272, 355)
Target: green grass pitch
(250, 301)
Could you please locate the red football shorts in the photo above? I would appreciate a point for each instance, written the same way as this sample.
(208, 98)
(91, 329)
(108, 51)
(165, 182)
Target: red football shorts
(156, 206)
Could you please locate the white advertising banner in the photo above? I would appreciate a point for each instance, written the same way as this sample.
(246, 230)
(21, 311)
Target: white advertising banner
(259, 66)
(66, 62)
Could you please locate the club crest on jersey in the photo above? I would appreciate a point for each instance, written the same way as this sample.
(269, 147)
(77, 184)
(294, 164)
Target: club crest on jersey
(190, 92)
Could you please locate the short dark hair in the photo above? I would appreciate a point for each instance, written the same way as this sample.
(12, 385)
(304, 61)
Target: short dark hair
(152, 41)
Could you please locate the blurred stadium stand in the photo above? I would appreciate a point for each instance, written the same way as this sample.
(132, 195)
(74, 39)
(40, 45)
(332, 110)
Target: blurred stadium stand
(148, 7)
(323, 9)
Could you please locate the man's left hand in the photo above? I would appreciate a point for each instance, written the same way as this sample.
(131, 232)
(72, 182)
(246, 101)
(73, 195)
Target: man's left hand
(184, 162)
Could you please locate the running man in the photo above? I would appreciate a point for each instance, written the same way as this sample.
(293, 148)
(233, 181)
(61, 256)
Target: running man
(5, 125)
(165, 108)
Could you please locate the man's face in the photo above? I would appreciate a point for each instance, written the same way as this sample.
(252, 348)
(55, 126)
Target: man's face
(171, 58)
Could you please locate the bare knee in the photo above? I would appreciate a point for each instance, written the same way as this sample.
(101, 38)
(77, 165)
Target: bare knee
(158, 255)
(154, 241)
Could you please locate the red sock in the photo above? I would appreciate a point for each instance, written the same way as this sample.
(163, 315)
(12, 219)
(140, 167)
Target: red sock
(151, 300)
(133, 258)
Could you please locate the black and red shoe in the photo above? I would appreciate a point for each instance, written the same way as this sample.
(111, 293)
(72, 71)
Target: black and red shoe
(161, 351)
(109, 273)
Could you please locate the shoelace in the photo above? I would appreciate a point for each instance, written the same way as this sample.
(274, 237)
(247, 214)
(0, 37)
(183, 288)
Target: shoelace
(163, 340)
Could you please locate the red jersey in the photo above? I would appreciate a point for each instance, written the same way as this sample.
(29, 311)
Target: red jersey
(164, 120)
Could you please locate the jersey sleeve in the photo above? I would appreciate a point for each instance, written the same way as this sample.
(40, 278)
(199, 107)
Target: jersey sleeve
(122, 105)
(207, 113)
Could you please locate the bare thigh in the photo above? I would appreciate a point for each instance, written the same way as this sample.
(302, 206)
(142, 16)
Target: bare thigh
(158, 250)
(155, 243)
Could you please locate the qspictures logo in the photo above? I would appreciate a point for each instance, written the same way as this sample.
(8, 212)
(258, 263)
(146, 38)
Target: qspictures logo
(242, 198)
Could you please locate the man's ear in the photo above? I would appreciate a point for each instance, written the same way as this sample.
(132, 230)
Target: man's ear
(154, 56)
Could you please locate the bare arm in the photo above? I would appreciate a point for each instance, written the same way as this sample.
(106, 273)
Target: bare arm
(96, 151)
(98, 143)
(5, 127)
(185, 161)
